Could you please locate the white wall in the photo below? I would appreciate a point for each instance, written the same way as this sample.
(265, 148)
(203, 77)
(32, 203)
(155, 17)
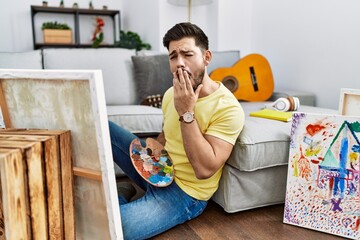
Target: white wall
(142, 17)
(311, 45)
(234, 25)
(204, 16)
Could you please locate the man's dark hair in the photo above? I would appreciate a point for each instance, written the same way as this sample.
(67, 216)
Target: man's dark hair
(186, 29)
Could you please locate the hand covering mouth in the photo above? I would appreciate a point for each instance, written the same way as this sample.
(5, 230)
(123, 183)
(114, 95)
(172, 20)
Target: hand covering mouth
(184, 70)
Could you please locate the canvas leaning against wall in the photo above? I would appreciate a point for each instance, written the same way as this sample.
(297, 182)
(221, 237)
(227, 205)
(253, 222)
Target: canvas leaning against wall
(323, 175)
(349, 103)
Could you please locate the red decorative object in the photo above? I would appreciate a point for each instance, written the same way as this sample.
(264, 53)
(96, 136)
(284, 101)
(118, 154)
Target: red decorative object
(98, 35)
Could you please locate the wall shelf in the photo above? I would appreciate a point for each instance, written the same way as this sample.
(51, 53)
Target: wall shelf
(76, 12)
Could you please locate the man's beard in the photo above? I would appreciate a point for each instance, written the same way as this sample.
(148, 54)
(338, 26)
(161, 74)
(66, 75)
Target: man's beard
(198, 80)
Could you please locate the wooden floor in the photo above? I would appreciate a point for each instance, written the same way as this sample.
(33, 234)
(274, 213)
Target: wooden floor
(261, 223)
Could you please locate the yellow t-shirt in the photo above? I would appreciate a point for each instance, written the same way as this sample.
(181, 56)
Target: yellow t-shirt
(218, 114)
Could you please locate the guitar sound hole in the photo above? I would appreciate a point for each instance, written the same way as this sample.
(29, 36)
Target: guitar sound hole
(230, 83)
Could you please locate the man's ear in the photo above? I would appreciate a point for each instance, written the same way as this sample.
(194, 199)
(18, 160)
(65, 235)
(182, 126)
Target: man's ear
(207, 57)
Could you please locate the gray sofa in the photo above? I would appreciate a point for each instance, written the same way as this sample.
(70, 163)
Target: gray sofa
(255, 173)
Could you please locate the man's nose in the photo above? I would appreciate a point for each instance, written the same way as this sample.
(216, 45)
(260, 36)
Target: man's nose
(180, 62)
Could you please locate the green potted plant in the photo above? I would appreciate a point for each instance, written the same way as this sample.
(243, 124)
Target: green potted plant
(131, 40)
(55, 32)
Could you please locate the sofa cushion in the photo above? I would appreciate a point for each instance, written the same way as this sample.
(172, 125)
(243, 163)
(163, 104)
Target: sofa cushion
(21, 60)
(152, 75)
(264, 142)
(115, 63)
(136, 119)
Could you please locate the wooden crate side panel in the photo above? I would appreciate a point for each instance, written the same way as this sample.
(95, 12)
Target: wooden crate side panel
(54, 188)
(21, 137)
(33, 155)
(36, 180)
(14, 198)
(68, 185)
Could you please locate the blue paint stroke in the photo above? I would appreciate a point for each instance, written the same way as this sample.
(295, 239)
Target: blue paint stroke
(343, 160)
(159, 180)
(356, 148)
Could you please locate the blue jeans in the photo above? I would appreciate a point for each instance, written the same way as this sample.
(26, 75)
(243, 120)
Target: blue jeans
(161, 208)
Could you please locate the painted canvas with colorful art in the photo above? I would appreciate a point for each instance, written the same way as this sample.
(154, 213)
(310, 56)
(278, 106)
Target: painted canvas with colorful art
(323, 175)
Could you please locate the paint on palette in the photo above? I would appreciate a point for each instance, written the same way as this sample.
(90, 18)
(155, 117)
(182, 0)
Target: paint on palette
(152, 162)
(323, 186)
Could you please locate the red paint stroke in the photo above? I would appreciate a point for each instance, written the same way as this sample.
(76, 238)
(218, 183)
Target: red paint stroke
(315, 161)
(357, 224)
(313, 129)
(331, 184)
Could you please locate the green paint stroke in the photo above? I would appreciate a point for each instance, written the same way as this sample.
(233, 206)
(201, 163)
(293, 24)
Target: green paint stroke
(355, 126)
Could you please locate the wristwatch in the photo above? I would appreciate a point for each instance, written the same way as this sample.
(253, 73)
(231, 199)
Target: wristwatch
(187, 117)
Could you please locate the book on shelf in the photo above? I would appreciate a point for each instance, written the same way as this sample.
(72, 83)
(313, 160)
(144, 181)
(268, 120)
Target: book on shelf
(272, 114)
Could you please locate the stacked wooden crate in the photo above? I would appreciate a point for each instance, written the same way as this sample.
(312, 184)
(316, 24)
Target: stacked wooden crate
(37, 196)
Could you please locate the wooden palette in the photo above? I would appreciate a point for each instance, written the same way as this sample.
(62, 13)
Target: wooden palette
(152, 162)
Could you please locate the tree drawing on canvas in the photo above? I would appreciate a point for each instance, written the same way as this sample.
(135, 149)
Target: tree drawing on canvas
(323, 187)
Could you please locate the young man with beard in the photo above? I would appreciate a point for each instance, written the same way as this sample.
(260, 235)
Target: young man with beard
(201, 122)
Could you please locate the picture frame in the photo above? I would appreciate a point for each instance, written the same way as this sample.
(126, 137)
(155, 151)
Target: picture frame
(323, 185)
(349, 103)
(71, 100)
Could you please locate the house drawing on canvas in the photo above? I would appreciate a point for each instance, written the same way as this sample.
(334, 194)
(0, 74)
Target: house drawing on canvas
(338, 170)
(323, 184)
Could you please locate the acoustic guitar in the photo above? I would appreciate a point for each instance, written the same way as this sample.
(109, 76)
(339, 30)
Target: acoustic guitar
(153, 101)
(249, 79)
